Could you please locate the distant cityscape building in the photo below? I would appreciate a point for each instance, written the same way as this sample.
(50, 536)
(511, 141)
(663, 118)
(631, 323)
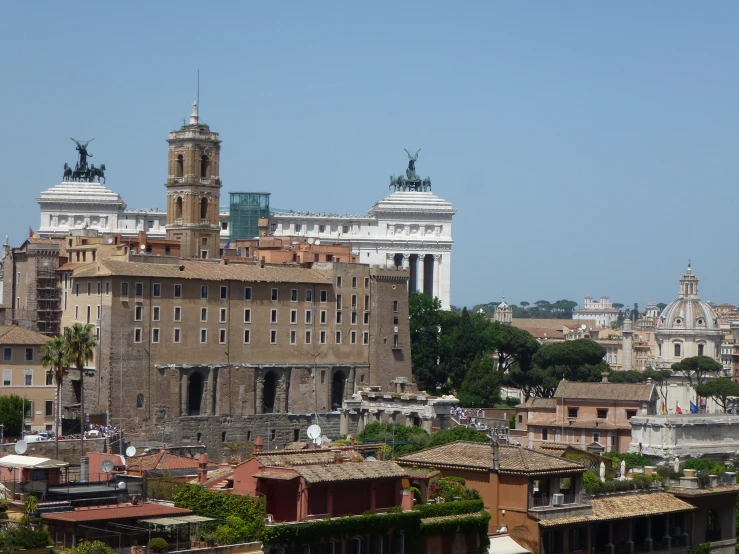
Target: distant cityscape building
(503, 313)
(602, 311)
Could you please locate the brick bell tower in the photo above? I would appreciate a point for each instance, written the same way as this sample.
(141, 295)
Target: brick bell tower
(194, 189)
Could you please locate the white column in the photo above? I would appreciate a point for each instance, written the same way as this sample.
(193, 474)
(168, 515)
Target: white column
(420, 273)
(406, 261)
(437, 261)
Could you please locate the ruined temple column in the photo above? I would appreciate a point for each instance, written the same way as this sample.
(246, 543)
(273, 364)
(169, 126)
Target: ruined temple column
(208, 407)
(183, 393)
(408, 419)
(344, 423)
(284, 386)
(259, 396)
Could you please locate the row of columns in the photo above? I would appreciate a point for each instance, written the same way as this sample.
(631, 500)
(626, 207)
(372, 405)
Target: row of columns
(421, 261)
(370, 415)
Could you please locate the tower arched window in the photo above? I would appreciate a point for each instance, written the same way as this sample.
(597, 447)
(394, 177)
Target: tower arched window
(204, 208)
(678, 350)
(178, 208)
(179, 170)
(204, 166)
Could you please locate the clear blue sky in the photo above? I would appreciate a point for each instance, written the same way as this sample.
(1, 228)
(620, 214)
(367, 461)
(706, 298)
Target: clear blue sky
(589, 148)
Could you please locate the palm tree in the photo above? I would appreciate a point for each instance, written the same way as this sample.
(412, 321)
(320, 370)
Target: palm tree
(54, 356)
(80, 344)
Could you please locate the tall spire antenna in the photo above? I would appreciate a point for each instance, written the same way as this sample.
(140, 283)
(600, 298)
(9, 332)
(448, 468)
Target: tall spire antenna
(198, 100)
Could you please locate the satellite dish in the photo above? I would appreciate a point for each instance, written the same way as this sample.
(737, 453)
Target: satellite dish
(583, 327)
(311, 240)
(121, 485)
(130, 451)
(314, 431)
(318, 441)
(370, 459)
(21, 446)
(142, 247)
(318, 241)
(107, 466)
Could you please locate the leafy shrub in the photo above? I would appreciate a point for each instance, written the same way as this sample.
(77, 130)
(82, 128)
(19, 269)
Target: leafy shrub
(416, 437)
(158, 544)
(23, 538)
(91, 547)
(632, 459)
(450, 488)
(704, 548)
(704, 466)
(456, 434)
(450, 508)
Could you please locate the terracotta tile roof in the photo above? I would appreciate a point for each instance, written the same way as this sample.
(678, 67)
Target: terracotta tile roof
(351, 471)
(215, 476)
(478, 456)
(548, 324)
(297, 458)
(537, 402)
(162, 460)
(107, 513)
(274, 474)
(416, 473)
(204, 270)
(721, 489)
(625, 506)
(605, 391)
(543, 332)
(12, 334)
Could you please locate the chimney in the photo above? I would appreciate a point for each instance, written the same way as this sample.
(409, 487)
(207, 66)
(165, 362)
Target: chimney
(649, 381)
(258, 444)
(203, 469)
(262, 262)
(604, 377)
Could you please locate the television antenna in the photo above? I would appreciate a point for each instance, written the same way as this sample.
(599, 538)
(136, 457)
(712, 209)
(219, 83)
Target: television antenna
(21, 446)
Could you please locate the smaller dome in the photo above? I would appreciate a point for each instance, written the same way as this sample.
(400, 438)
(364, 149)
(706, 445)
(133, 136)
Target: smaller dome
(688, 314)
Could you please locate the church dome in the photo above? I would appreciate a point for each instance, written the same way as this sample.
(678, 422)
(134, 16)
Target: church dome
(688, 312)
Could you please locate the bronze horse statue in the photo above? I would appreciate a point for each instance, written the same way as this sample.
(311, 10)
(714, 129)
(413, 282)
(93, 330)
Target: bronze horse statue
(67, 173)
(98, 172)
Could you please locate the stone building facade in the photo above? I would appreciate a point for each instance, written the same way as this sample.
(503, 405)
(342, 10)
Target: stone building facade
(214, 352)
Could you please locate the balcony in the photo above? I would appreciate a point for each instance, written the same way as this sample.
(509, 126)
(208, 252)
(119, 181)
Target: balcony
(548, 506)
(204, 222)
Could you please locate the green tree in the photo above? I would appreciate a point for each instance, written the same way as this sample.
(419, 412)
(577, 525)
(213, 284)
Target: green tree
(424, 331)
(574, 359)
(459, 433)
(481, 385)
(697, 369)
(661, 306)
(719, 389)
(465, 349)
(525, 304)
(12, 409)
(512, 345)
(403, 439)
(617, 305)
(54, 356)
(80, 344)
(91, 547)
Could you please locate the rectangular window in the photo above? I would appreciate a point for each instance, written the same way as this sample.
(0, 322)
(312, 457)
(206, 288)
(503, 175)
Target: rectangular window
(293, 295)
(321, 228)
(65, 300)
(324, 296)
(49, 408)
(353, 337)
(222, 315)
(7, 377)
(354, 282)
(49, 377)
(178, 291)
(630, 414)
(203, 314)
(100, 288)
(338, 337)
(155, 336)
(204, 291)
(156, 290)
(124, 289)
(366, 302)
(396, 341)
(247, 336)
(203, 336)
(365, 338)
(366, 282)
(571, 412)
(298, 227)
(99, 311)
(222, 336)
(366, 318)
(89, 313)
(273, 227)
(29, 354)
(176, 335)
(308, 317)
(139, 289)
(338, 281)
(224, 293)
(309, 295)
(545, 434)
(28, 377)
(247, 315)
(338, 316)
(354, 301)
(155, 313)
(247, 293)
(177, 313)
(323, 337)
(596, 437)
(76, 312)
(293, 337)
(137, 334)
(89, 288)
(107, 288)
(354, 318)
(602, 413)
(344, 228)
(395, 305)
(274, 295)
(7, 354)
(138, 313)
(338, 301)
(273, 316)
(273, 336)
(307, 337)
(323, 317)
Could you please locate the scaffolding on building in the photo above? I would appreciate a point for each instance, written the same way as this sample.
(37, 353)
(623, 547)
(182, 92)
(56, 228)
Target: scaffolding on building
(247, 208)
(48, 308)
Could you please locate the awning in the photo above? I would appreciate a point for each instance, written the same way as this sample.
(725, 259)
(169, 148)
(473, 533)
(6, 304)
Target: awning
(506, 545)
(179, 520)
(31, 462)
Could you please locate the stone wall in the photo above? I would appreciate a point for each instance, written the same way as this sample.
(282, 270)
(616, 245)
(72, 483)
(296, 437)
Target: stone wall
(69, 450)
